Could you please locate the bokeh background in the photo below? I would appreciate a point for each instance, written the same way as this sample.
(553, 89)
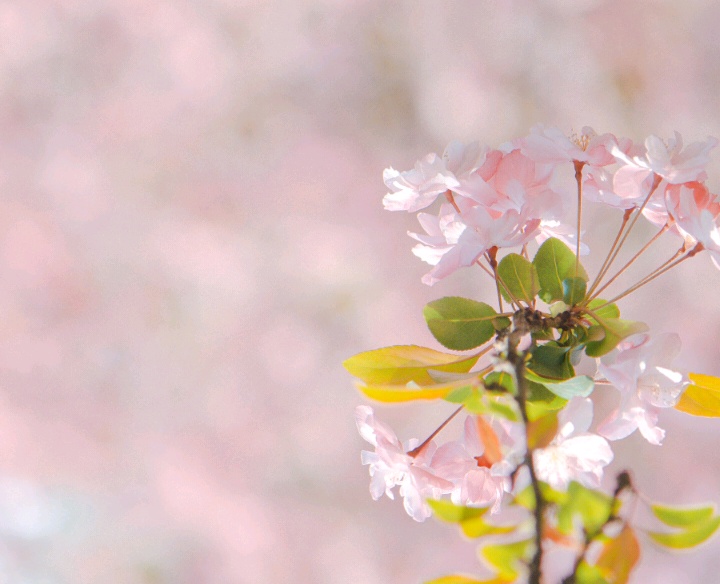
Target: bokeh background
(192, 240)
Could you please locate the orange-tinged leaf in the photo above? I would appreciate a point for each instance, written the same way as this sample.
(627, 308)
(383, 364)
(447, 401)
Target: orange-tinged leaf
(401, 364)
(541, 432)
(553, 534)
(702, 398)
(493, 451)
(619, 556)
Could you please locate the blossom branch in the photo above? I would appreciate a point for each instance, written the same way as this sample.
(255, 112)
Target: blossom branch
(417, 450)
(603, 269)
(656, 182)
(659, 272)
(632, 260)
(521, 327)
(491, 256)
(578, 177)
(623, 482)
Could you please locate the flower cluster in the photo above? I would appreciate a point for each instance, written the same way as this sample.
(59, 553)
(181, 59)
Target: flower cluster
(509, 196)
(528, 438)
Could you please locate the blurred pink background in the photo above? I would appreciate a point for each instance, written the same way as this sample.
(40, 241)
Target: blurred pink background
(192, 240)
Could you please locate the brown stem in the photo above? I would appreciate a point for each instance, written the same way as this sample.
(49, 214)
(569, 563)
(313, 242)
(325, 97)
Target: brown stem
(631, 261)
(491, 256)
(667, 266)
(517, 360)
(487, 270)
(604, 267)
(417, 450)
(656, 182)
(578, 177)
(451, 199)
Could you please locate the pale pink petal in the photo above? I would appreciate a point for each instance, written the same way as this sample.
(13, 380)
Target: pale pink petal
(418, 188)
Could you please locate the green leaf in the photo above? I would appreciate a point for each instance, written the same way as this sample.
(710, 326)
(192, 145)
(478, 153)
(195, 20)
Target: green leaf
(470, 518)
(404, 363)
(520, 277)
(579, 386)
(587, 574)
(541, 400)
(592, 506)
(552, 361)
(526, 497)
(555, 262)
(574, 290)
(507, 558)
(500, 380)
(558, 308)
(619, 556)
(501, 323)
(478, 527)
(460, 394)
(702, 398)
(682, 517)
(616, 330)
(501, 407)
(687, 538)
(460, 323)
(448, 511)
(487, 402)
(607, 310)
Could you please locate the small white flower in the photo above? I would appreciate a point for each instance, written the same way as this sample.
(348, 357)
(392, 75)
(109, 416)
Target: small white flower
(638, 369)
(390, 465)
(574, 454)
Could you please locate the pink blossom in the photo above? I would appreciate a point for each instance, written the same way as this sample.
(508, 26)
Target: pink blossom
(669, 160)
(472, 165)
(390, 465)
(417, 188)
(523, 185)
(623, 189)
(501, 205)
(696, 214)
(621, 186)
(551, 145)
(574, 454)
(638, 370)
(462, 169)
(495, 199)
(454, 240)
(561, 231)
(477, 481)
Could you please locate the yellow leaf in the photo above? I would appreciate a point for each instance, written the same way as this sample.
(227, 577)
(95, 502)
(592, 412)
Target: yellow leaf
(702, 398)
(389, 393)
(403, 363)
